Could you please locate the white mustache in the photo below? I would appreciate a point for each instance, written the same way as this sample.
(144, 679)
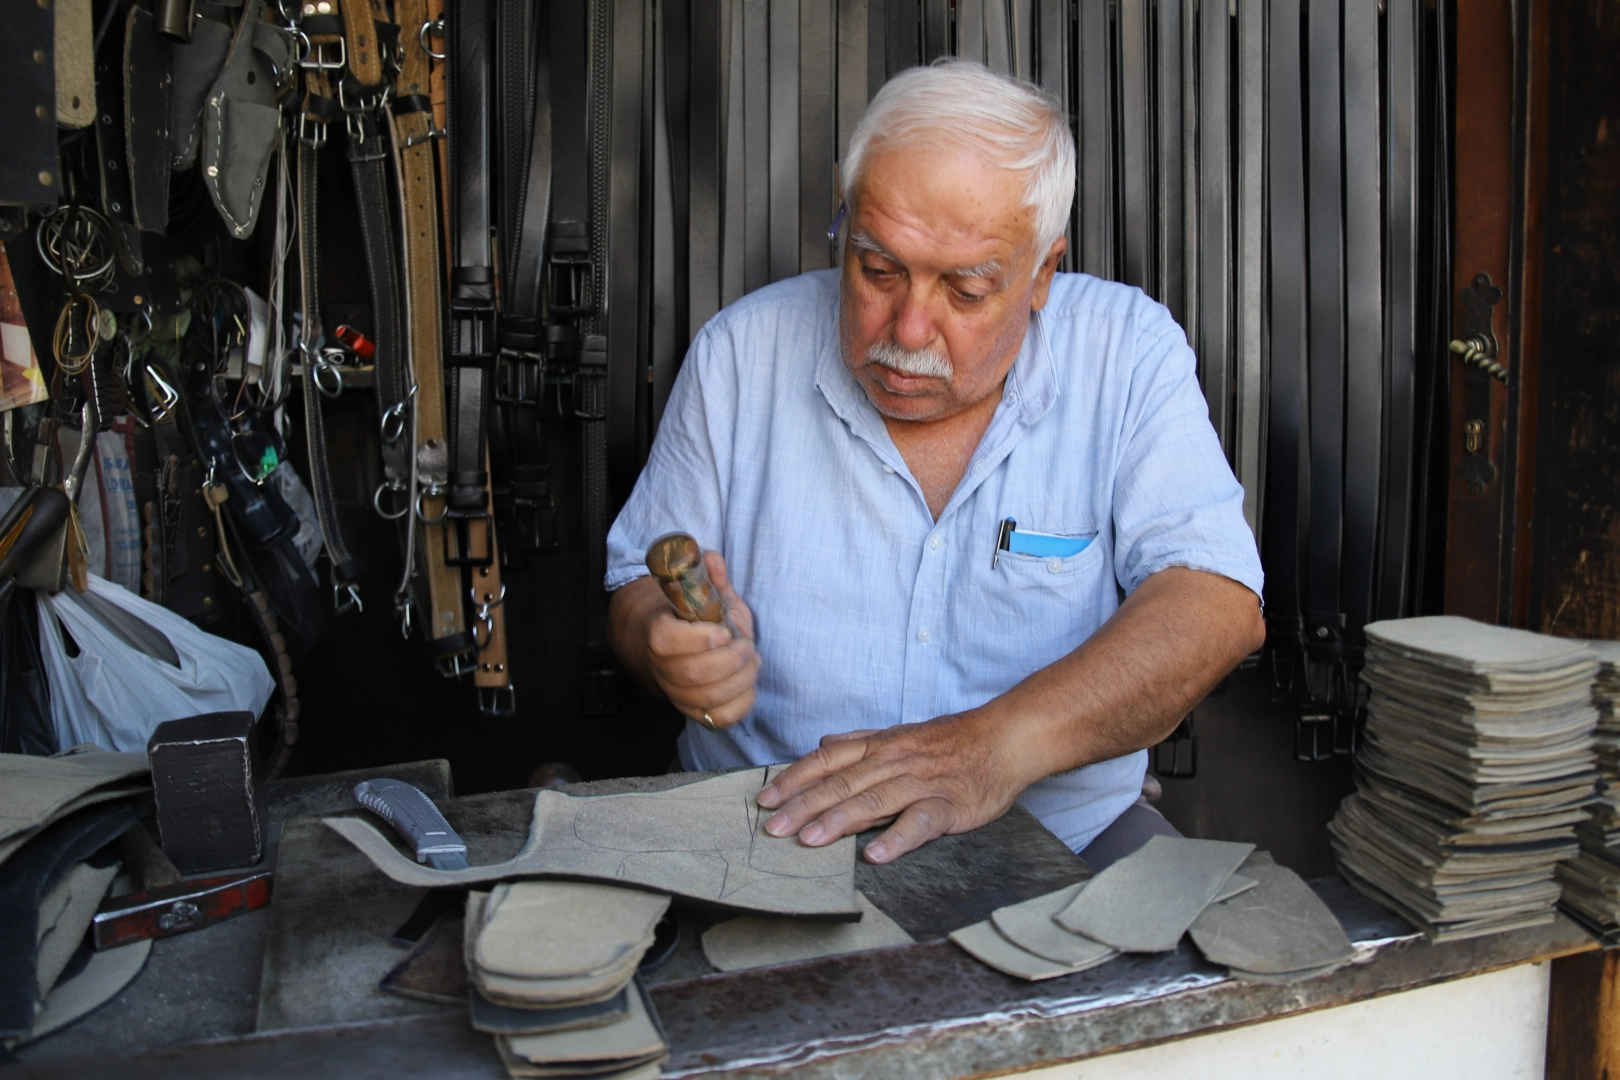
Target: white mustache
(925, 363)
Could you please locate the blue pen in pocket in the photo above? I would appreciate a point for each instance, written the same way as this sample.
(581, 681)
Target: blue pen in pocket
(1041, 545)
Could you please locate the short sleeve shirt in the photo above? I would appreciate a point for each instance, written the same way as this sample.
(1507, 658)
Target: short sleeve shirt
(868, 611)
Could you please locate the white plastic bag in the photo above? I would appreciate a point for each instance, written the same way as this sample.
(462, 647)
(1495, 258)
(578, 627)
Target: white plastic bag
(114, 693)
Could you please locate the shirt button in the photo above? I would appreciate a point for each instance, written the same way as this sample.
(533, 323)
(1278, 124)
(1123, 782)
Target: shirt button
(1054, 564)
(933, 543)
(923, 635)
(889, 469)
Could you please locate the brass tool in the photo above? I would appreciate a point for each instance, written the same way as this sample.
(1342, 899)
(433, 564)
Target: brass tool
(676, 560)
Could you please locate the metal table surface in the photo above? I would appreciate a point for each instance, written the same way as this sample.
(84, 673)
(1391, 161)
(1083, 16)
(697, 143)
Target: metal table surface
(924, 1010)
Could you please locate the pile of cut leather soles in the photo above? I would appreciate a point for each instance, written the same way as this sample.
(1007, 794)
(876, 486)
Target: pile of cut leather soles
(551, 967)
(1591, 880)
(1244, 911)
(1476, 768)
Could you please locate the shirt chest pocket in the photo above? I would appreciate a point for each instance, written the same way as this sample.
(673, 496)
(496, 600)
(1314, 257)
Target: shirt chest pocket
(1035, 609)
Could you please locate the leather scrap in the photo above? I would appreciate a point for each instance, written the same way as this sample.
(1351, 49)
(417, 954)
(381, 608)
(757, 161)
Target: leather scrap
(705, 841)
(752, 941)
(985, 943)
(1278, 927)
(1147, 900)
(552, 929)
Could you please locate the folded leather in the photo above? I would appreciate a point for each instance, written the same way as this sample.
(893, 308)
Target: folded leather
(240, 121)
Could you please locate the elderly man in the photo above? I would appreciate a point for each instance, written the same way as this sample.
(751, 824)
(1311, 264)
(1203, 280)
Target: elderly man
(929, 478)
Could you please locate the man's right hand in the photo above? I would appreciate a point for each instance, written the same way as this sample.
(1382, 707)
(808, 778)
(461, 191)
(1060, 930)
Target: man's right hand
(698, 666)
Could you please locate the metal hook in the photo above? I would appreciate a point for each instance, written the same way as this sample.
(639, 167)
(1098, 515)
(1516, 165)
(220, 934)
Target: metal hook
(167, 396)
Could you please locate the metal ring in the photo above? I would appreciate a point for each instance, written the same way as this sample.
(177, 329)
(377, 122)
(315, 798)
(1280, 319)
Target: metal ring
(486, 605)
(488, 623)
(435, 25)
(423, 518)
(707, 721)
(391, 426)
(322, 367)
(376, 501)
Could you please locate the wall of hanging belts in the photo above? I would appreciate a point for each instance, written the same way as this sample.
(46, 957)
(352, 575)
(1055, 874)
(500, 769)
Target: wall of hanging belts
(551, 198)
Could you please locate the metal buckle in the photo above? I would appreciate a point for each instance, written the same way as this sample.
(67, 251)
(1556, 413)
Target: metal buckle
(315, 58)
(458, 523)
(431, 134)
(1182, 736)
(344, 606)
(1310, 731)
(311, 131)
(497, 700)
(454, 667)
(519, 377)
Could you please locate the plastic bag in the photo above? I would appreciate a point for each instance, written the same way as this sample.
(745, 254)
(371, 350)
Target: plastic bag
(138, 664)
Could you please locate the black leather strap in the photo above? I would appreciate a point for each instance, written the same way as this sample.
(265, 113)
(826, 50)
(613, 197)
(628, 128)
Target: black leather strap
(1135, 151)
(1212, 338)
(1364, 328)
(1400, 296)
(470, 355)
(147, 60)
(1095, 187)
(30, 173)
(1170, 181)
(1324, 616)
(1287, 464)
(1248, 234)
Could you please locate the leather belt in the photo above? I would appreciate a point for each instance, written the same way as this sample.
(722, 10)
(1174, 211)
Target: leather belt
(415, 135)
(147, 57)
(319, 109)
(1325, 268)
(1364, 332)
(1172, 186)
(1287, 467)
(1135, 189)
(1096, 231)
(1212, 338)
(493, 675)
(1248, 336)
(1400, 292)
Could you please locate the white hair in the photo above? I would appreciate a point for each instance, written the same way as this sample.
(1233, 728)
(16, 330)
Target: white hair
(1010, 122)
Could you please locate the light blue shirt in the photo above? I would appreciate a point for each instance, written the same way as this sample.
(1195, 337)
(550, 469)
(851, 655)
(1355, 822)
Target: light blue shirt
(870, 613)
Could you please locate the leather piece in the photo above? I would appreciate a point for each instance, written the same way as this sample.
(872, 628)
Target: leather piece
(520, 991)
(1211, 336)
(71, 905)
(24, 881)
(985, 943)
(360, 41)
(1136, 189)
(557, 929)
(148, 56)
(661, 840)
(1032, 926)
(1169, 176)
(1280, 926)
(497, 1019)
(752, 941)
(241, 124)
(110, 152)
(103, 978)
(636, 1040)
(196, 66)
(1145, 901)
(29, 173)
(75, 64)
(39, 790)
(1095, 188)
(1248, 284)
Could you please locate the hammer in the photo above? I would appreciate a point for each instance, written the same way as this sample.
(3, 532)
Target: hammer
(168, 904)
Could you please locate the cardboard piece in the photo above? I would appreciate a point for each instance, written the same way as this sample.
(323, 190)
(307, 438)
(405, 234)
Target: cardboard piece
(753, 941)
(1280, 926)
(1147, 900)
(704, 840)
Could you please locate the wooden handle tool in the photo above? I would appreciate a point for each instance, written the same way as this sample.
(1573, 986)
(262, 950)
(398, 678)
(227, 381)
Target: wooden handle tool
(676, 560)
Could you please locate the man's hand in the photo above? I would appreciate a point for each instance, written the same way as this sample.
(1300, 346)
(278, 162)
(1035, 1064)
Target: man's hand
(1125, 688)
(698, 666)
(949, 775)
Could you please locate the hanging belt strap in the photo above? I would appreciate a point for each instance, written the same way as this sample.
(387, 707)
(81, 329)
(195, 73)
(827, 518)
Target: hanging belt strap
(1400, 292)
(1325, 224)
(520, 474)
(472, 329)
(415, 134)
(1287, 468)
(1364, 332)
(320, 108)
(492, 676)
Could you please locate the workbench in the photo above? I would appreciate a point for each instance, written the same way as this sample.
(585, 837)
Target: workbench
(291, 990)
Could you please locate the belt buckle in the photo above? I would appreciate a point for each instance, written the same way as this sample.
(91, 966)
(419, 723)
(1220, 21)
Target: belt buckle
(459, 522)
(519, 377)
(315, 58)
(497, 700)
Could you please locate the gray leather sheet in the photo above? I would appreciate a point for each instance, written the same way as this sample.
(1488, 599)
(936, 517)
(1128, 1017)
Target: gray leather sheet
(705, 841)
(1147, 900)
(1278, 927)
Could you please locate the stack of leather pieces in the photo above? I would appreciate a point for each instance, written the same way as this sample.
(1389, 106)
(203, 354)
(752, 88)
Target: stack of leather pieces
(1591, 880)
(59, 819)
(1476, 768)
(1242, 910)
(551, 967)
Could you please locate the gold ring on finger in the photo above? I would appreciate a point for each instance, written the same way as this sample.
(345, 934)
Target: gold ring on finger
(707, 721)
